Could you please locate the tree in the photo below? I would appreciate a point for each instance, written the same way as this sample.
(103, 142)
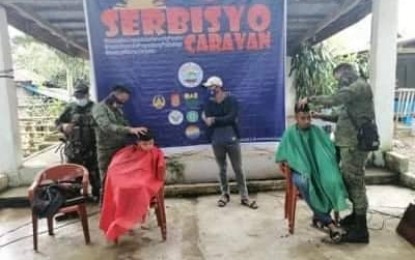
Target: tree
(312, 68)
(51, 64)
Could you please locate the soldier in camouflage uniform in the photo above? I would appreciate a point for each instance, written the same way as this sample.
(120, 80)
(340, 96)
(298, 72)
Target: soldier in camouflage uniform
(112, 129)
(77, 124)
(356, 100)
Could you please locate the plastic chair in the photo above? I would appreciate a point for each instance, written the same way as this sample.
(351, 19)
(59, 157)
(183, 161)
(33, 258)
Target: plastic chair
(157, 203)
(64, 172)
(291, 196)
(159, 208)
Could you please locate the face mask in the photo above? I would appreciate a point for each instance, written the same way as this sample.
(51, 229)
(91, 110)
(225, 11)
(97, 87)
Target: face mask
(82, 102)
(213, 92)
(119, 102)
(343, 82)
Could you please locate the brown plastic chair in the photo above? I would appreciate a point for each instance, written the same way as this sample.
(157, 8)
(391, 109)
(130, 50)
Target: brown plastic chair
(64, 172)
(291, 196)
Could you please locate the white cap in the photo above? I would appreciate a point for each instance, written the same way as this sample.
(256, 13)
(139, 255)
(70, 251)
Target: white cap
(213, 81)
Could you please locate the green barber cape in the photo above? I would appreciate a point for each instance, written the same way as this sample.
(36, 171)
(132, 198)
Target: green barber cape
(312, 154)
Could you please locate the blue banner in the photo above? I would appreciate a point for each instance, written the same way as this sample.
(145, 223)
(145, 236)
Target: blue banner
(165, 49)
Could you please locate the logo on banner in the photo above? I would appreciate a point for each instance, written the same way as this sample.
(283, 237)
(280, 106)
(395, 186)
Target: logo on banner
(176, 117)
(190, 75)
(191, 100)
(192, 132)
(175, 100)
(192, 116)
(159, 101)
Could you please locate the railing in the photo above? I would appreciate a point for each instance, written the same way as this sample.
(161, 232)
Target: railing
(37, 133)
(404, 103)
(59, 94)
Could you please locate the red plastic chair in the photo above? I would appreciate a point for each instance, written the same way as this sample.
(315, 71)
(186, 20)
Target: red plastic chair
(159, 208)
(291, 196)
(64, 172)
(158, 204)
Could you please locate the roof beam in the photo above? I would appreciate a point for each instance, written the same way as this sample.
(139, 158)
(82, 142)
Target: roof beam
(42, 35)
(77, 15)
(53, 8)
(70, 25)
(353, 16)
(76, 33)
(347, 6)
(41, 2)
(48, 27)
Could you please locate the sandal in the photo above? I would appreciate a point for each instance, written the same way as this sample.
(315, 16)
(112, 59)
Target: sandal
(224, 199)
(336, 235)
(249, 204)
(319, 225)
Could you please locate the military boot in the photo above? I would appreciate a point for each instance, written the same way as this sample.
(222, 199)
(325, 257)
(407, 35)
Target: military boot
(357, 233)
(348, 222)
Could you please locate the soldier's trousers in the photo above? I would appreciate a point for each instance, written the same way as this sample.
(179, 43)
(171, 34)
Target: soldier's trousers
(104, 160)
(352, 166)
(89, 162)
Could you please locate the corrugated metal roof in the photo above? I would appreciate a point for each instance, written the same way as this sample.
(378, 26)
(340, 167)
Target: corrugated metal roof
(61, 23)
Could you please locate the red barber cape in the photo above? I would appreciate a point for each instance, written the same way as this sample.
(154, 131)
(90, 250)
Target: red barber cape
(133, 178)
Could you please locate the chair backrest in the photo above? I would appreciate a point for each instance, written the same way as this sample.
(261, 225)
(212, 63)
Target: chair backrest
(63, 172)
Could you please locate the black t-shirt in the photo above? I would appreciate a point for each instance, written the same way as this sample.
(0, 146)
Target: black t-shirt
(225, 128)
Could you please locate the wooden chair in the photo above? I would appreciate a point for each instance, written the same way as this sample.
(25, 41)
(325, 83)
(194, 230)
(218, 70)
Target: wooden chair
(64, 172)
(291, 196)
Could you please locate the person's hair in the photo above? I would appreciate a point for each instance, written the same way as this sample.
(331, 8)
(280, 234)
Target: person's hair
(301, 108)
(121, 89)
(345, 67)
(148, 136)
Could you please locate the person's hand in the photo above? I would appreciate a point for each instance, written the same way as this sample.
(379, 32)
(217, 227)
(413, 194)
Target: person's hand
(283, 168)
(67, 128)
(138, 130)
(209, 121)
(303, 102)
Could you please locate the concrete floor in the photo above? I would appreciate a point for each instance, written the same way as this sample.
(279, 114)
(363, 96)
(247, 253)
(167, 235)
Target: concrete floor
(197, 229)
